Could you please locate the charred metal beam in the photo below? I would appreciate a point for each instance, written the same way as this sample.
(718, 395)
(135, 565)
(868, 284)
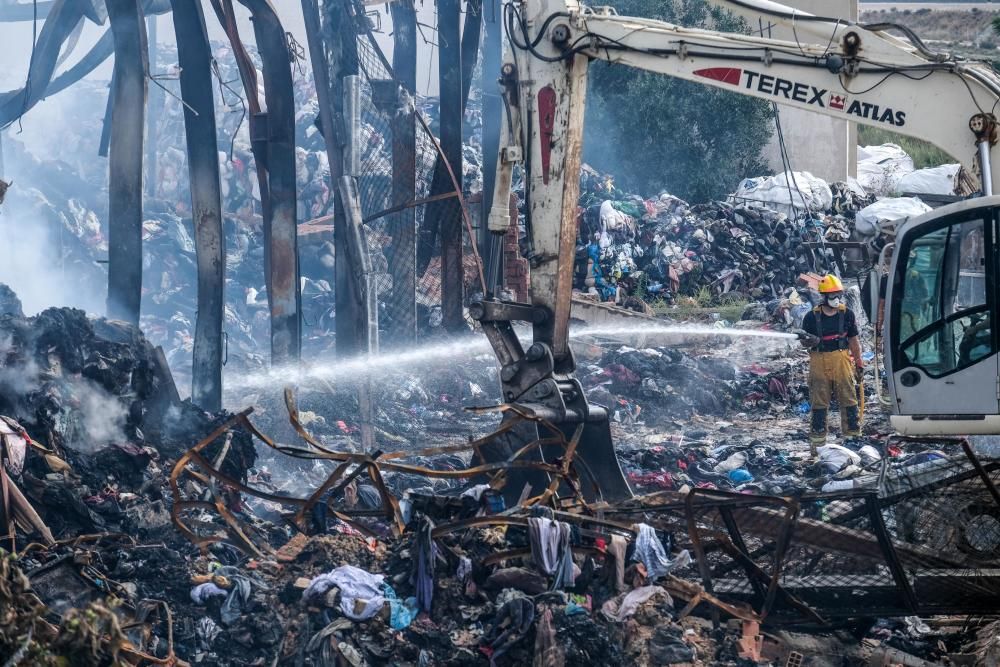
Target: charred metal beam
(64, 23)
(450, 83)
(448, 213)
(329, 76)
(101, 51)
(403, 264)
(341, 44)
(280, 230)
(125, 169)
(472, 32)
(153, 112)
(195, 57)
(105, 143)
(491, 245)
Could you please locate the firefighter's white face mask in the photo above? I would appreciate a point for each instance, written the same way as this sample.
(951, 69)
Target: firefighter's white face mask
(835, 300)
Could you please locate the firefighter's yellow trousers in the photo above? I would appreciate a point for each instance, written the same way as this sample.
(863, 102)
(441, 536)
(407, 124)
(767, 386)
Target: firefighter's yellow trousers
(832, 374)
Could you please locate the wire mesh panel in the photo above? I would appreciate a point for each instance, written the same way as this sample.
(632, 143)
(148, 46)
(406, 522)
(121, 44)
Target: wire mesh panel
(917, 538)
(394, 199)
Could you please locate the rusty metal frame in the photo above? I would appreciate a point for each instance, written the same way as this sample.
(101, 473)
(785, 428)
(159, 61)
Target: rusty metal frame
(891, 557)
(276, 130)
(726, 504)
(195, 465)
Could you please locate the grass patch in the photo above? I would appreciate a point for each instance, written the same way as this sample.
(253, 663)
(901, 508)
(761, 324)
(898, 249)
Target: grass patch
(702, 306)
(923, 153)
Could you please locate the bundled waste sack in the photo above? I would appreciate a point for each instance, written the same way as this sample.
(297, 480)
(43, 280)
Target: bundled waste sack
(931, 180)
(881, 168)
(870, 219)
(788, 192)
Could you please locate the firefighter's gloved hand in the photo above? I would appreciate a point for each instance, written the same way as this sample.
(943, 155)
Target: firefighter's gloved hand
(859, 373)
(808, 339)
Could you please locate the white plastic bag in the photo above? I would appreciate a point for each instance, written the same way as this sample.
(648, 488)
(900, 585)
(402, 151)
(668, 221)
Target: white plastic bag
(931, 181)
(782, 192)
(880, 168)
(871, 218)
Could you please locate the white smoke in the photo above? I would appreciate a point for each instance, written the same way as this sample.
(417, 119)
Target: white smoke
(102, 417)
(34, 262)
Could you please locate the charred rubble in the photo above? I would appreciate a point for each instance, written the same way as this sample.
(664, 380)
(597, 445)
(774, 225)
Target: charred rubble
(297, 528)
(168, 535)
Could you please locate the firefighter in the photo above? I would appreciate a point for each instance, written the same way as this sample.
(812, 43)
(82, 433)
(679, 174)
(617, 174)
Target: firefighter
(830, 331)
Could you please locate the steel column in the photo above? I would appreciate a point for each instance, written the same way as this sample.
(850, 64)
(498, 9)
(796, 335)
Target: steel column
(403, 264)
(491, 245)
(125, 170)
(450, 84)
(195, 57)
(343, 51)
(280, 229)
(153, 113)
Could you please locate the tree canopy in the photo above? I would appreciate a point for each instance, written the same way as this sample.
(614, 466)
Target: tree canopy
(658, 133)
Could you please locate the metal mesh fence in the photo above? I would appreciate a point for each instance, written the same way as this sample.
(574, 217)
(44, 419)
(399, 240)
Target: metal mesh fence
(405, 252)
(909, 539)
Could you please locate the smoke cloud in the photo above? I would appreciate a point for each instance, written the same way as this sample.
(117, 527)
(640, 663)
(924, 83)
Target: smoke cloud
(39, 262)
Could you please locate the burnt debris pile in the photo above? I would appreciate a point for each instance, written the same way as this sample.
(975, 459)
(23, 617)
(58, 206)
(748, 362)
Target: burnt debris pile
(142, 530)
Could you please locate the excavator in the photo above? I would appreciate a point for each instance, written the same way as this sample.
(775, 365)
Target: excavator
(940, 349)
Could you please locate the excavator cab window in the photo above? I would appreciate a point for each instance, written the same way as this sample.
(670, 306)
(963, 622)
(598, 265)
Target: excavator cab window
(944, 319)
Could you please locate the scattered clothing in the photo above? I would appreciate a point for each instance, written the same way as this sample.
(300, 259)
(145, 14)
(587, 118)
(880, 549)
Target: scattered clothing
(361, 595)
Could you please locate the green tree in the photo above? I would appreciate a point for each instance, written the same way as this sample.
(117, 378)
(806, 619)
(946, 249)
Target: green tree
(655, 132)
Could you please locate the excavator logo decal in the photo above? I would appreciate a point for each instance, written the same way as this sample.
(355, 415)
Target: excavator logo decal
(803, 93)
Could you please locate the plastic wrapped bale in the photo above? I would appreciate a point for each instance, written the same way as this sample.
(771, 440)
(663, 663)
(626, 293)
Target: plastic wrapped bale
(931, 181)
(787, 192)
(880, 168)
(872, 218)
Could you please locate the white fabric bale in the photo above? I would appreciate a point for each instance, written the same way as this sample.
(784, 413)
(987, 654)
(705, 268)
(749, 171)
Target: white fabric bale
(931, 181)
(871, 218)
(880, 168)
(783, 191)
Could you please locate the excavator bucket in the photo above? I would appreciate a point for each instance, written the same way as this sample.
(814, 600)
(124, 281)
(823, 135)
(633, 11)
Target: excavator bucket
(596, 467)
(549, 429)
(598, 472)
(596, 453)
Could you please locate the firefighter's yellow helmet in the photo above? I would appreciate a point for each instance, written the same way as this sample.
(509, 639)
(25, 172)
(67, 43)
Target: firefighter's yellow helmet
(830, 283)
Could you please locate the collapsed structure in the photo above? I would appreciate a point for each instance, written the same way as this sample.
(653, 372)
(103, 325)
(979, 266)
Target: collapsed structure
(358, 521)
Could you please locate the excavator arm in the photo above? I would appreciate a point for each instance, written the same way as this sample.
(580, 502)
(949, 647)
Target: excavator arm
(835, 67)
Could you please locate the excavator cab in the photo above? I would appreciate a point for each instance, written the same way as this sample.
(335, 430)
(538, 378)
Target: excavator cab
(941, 338)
